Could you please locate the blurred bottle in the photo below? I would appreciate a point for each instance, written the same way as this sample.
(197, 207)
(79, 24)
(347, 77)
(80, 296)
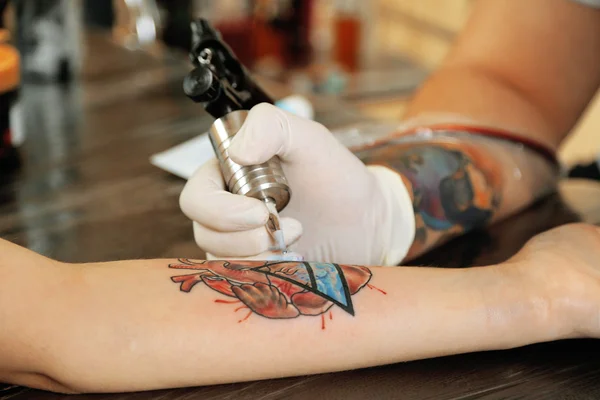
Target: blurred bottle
(48, 36)
(268, 39)
(137, 23)
(347, 34)
(283, 29)
(98, 14)
(233, 19)
(11, 132)
(3, 31)
(270, 35)
(175, 20)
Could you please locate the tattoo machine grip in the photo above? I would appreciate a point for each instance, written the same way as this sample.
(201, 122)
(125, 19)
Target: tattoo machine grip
(265, 182)
(226, 89)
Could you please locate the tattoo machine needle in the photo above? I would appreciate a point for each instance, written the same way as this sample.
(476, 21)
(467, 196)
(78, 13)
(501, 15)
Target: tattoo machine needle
(274, 226)
(226, 90)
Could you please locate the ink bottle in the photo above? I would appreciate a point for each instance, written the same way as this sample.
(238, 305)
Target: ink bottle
(10, 123)
(348, 28)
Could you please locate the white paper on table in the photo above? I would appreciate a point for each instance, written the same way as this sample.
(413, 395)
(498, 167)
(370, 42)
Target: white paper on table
(185, 158)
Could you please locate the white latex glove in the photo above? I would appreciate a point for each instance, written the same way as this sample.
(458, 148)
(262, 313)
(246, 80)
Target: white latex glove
(340, 210)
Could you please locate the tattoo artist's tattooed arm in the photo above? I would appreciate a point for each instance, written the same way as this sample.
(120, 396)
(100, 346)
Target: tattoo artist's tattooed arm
(460, 185)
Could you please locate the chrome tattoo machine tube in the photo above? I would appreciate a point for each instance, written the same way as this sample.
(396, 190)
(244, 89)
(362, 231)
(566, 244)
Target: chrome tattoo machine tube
(265, 182)
(227, 91)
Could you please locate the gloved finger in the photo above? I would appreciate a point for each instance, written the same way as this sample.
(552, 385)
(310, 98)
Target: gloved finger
(270, 131)
(205, 201)
(244, 243)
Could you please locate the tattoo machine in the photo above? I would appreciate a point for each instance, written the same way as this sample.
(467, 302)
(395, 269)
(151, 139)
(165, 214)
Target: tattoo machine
(227, 92)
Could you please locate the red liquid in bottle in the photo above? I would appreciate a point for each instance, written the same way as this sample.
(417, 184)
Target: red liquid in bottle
(347, 30)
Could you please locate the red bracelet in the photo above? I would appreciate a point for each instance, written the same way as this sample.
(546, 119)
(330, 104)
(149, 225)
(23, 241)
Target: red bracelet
(539, 148)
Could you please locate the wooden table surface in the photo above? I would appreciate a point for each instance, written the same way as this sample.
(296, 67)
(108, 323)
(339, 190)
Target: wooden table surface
(87, 192)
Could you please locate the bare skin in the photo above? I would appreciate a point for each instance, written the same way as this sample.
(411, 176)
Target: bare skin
(527, 66)
(131, 327)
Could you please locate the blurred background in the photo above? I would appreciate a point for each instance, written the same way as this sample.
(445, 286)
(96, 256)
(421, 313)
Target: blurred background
(91, 96)
(372, 54)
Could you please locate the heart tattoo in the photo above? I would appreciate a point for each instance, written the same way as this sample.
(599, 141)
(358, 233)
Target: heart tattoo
(279, 289)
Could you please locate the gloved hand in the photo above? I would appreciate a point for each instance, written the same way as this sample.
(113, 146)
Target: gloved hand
(340, 210)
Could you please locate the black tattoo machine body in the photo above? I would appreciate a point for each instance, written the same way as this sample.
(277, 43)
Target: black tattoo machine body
(226, 90)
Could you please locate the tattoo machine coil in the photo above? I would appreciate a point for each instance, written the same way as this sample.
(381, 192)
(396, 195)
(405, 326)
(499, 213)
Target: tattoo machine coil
(227, 92)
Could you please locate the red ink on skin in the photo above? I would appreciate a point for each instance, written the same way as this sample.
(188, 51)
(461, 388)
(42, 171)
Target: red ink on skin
(187, 281)
(275, 290)
(374, 287)
(246, 317)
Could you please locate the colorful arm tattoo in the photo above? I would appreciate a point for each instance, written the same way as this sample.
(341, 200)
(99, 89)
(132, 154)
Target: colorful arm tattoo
(455, 187)
(280, 289)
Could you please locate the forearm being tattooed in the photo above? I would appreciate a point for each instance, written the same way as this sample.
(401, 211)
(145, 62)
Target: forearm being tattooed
(461, 183)
(152, 324)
